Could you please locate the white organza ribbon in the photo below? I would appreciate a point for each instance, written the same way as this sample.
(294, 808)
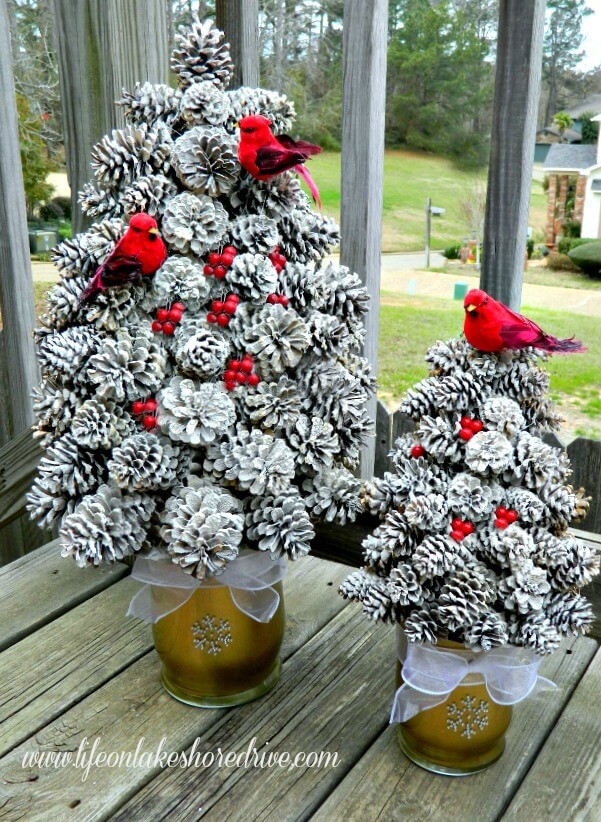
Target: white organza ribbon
(430, 673)
(250, 578)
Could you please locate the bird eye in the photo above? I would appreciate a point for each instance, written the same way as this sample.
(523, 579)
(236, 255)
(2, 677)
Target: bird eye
(137, 230)
(248, 130)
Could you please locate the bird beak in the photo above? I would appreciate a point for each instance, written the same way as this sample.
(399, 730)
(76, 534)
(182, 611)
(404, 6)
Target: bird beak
(471, 307)
(154, 231)
(236, 125)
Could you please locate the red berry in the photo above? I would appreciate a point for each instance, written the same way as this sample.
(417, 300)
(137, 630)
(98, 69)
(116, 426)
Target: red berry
(501, 512)
(277, 267)
(223, 320)
(512, 515)
(175, 315)
(468, 528)
(501, 523)
(227, 259)
(457, 535)
(284, 301)
(233, 298)
(230, 307)
(217, 306)
(466, 422)
(178, 307)
(457, 524)
(162, 314)
(241, 377)
(208, 270)
(214, 258)
(137, 408)
(230, 385)
(477, 426)
(281, 260)
(418, 451)
(272, 299)
(220, 271)
(234, 365)
(230, 250)
(168, 328)
(229, 375)
(466, 434)
(211, 317)
(246, 365)
(157, 326)
(253, 379)
(149, 422)
(151, 405)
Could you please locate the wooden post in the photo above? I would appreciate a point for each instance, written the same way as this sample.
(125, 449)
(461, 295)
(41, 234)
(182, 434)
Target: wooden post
(239, 20)
(102, 47)
(517, 89)
(18, 366)
(364, 85)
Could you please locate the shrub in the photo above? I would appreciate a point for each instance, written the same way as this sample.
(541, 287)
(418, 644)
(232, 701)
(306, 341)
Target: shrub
(566, 244)
(529, 247)
(571, 228)
(451, 252)
(59, 208)
(588, 258)
(559, 262)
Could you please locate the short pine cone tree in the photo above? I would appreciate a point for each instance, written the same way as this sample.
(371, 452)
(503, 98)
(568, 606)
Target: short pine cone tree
(474, 542)
(186, 439)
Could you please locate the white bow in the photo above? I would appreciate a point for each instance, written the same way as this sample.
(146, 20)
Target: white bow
(430, 673)
(249, 577)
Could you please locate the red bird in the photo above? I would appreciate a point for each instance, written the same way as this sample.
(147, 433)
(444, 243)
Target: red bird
(492, 327)
(264, 155)
(140, 252)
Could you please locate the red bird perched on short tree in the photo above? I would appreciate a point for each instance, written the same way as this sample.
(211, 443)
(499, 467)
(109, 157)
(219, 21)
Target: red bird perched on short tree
(140, 252)
(492, 327)
(264, 155)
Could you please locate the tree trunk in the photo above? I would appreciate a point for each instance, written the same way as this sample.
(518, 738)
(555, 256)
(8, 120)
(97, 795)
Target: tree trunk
(239, 20)
(364, 84)
(18, 367)
(517, 89)
(103, 47)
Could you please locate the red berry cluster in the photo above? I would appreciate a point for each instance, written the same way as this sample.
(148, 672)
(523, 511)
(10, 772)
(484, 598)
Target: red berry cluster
(167, 318)
(469, 427)
(278, 299)
(277, 259)
(461, 528)
(219, 264)
(240, 372)
(505, 516)
(222, 312)
(418, 451)
(146, 413)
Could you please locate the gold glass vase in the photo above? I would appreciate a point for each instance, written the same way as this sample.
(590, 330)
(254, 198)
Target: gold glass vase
(464, 734)
(213, 655)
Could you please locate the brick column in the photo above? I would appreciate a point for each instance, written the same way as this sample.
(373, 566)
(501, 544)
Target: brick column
(579, 198)
(551, 199)
(561, 199)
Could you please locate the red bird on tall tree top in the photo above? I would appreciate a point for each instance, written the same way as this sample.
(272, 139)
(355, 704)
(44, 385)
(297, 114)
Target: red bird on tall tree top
(492, 327)
(264, 155)
(139, 253)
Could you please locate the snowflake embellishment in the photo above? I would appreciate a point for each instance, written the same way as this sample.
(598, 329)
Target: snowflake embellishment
(211, 634)
(469, 717)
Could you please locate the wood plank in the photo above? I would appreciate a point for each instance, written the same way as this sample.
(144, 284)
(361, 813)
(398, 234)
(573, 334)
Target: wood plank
(333, 698)
(383, 439)
(239, 20)
(593, 591)
(39, 587)
(133, 705)
(585, 457)
(385, 785)
(565, 780)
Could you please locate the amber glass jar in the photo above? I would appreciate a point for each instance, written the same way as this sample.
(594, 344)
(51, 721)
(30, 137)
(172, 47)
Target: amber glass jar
(214, 655)
(462, 735)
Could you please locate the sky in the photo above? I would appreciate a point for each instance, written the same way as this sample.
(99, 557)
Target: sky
(592, 37)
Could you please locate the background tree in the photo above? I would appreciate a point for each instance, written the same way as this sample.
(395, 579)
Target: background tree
(562, 121)
(34, 159)
(590, 127)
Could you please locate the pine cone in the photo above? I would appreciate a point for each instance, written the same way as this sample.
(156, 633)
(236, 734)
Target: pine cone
(334, 495)
(193, 412)
(307, 235)
(470, 498)
(181, 279)
(272, 198)
(149, 194)
(277, 337)
(314, 444)
(204, 103)
(306, 287)
(488, 632)
(96, 202)
(271, 104)
(273, 405)
(569, 613)
(403, 586)
(488, 453)
(280, 524)
(252, 461)
(129, 153)
(205, 160)
(391, 540)
(255, 233)
(54, 407)
(114, 308)
(448, 357)
(63, 302)
(428, 513)
(148, 103)
(578, 567)
(503, 415)
(347, 295)
(438, 554)
(201, 54)
(438, 433)
(144, 462)
(536, 632)
(420, 401)
(537, 463)
(63, 354)
(463, 598)
(422, 625)
(330, 337)
(252, 277)
(530, 507)
(525, 589)
(204, 354)
(194, 224)
(99, 424)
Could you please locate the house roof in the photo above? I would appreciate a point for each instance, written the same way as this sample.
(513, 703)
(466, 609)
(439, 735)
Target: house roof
(591, 103)
(569, 135)
(569, 157)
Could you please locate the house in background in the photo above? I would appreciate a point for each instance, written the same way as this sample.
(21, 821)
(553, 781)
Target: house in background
(549, 135)
(574, 188)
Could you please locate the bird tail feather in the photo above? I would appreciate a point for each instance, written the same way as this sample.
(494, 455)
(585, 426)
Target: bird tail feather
(310, 182)
(93, 287)
(555, 346)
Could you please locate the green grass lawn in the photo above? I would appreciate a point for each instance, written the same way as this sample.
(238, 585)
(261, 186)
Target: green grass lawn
(409, 325)
(410, 177)
(535, 274)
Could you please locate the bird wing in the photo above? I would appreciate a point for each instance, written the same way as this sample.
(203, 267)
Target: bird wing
(274, 160)
(121, 268)
(518, 331)
(298, 145)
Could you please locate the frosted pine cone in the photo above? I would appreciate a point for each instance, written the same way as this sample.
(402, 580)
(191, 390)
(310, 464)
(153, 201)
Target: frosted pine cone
(305, 286)
(63, 303)
(280, 524)
(95, 202)
(252, 461)
(252, 277)
(314, 443)
(255, 233)
(560, 502)
(471, 498)
(463, 598)
(488, 453)
(106, 526)
(537, 463)
(307, 235)
(438, 435)
(114, 308)
(334, 495)
(420, 401)
(278, 337)
(393, 539)
(274, 405)
(347, 295)
(202, 526)
(429, 513)
(488, 632)
(503, 415)
(524, 590)
(530, 507)
(129, 153)
(459, 390)
(330, 337)
(201, 54)
(204, 354)
(271, 104)
(100, 424)
(569, 613)
(144, 462)
(438, 554)
(149, 194)
(180, 279)
(193, 412)
(194, 224)
(355, 585)
(205, 160)
(149, 102)
(204, 103)
(54, 407)
(270, 197)
(448, 357)
(519, 547)
(63, 354)
(422, 625)
(536, 632)
(404, 586)
(578, 568)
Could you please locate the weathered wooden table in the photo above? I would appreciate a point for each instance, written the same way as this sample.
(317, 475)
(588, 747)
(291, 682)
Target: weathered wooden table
(73, 667)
